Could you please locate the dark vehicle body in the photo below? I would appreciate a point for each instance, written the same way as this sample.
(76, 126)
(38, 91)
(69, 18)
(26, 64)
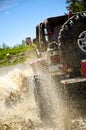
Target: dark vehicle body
(64, 42)
(61, 50)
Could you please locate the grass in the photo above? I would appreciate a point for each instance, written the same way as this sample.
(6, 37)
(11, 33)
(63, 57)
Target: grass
(15, 55)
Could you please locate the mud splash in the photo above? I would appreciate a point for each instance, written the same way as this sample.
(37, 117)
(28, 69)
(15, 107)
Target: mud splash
(18, 108)
(29, 103)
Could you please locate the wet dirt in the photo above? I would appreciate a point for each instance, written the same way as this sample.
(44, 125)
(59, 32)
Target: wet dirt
(36, 104)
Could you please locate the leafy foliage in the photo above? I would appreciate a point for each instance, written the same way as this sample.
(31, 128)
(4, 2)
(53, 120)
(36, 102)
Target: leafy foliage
(77, 5)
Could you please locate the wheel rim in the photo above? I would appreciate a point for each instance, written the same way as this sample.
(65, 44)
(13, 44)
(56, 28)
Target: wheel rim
(82, 41)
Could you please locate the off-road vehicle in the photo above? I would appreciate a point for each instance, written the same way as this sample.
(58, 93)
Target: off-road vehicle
(61, 49)
(63, 41)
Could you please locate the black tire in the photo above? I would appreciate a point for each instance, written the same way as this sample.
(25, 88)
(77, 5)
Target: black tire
(70, 32)
(53, 45)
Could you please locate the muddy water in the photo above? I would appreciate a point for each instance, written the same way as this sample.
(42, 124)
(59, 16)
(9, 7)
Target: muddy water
(34, 104)
(18, 109)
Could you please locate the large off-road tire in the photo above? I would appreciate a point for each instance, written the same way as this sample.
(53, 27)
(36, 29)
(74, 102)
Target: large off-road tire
(72, 41)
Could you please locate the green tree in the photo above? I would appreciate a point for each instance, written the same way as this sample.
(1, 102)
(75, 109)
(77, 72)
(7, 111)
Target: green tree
(83, 3)
(4, 46)
(77, 5)
(23, 43)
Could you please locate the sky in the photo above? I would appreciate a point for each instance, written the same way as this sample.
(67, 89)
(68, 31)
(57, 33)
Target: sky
(18, 18)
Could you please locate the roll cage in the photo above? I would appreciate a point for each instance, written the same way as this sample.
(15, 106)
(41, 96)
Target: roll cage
(48, 30)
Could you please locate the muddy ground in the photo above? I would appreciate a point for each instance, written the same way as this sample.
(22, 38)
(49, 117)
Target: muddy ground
(42, 108)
